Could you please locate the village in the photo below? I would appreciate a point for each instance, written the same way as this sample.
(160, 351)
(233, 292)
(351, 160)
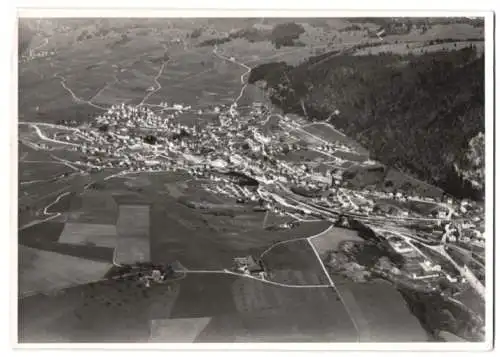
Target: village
(245, 161)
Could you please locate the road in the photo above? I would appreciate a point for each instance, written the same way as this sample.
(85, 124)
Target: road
(242, 77)
(467, 274)
(45, 209)
(157, 84)
(45, 138)
(103, 88)
(278, 198)
(284, 196)
(74, 96)
(352, 309)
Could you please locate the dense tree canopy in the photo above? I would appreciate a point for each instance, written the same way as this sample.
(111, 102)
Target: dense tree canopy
(415, 113)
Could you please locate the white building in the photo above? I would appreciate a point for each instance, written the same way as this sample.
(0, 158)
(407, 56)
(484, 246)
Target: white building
(427, 266)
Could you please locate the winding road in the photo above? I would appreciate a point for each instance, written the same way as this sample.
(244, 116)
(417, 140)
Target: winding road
(74, 96)
(157, 84)
(242, 77)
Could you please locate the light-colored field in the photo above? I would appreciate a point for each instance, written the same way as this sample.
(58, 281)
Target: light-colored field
(133, 234)
(130, 250)
(161, 309)
(458, 31)
(101, 235)
(177, 330)
(137, 181)
(133, 221)
(43, 272)
(325, 131)
(301, 135)
(94, 207)
(176, 189)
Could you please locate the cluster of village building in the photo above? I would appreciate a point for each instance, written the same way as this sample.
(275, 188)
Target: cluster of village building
(34, 54)
(137, 138)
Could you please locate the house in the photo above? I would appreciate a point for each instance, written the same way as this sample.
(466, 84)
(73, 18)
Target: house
(399, 245)
(427, 267)
(247, 265)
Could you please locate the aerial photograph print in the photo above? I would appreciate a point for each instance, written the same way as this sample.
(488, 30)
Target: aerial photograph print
(251, 180)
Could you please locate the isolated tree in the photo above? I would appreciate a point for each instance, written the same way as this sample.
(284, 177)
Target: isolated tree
(150, 139)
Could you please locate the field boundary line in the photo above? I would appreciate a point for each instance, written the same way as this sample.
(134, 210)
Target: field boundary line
(294, 240)
(332, 285)
(228, 272)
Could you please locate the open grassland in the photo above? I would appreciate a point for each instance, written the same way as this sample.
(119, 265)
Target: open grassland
(330, 240)
(108, 311)
(305, 155)
(45, 236)
(133, 227)
(177, 330)
(94, 207)
(417, 48)
(93, 63)
(100, 235)
(330, 134)
(204, 295)
(400, 180)
(43, 271)
(423, 208)
(32, 171)
(294, 263)
(473, 300)
(369, 304)
(271, 313)
(205, 241)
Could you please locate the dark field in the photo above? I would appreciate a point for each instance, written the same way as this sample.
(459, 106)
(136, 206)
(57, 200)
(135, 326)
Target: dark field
(205, 241)
(473, 300)
(45, 237)
(205, 295)
(111, 311)
(369, 304)
(294, 263)
(41, 171)
(238, 310)
(400, 181)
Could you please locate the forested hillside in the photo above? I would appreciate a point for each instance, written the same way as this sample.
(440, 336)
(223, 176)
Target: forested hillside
(415, 113)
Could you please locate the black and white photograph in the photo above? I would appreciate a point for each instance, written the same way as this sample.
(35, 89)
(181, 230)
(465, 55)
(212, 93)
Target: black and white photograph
(252, 179)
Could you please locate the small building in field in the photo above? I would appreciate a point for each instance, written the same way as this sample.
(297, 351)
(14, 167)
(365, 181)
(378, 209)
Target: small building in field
(248, 265)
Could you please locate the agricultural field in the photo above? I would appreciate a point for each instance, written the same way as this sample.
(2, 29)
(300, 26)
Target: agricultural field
(78, 224)
(369, 304)
(329, 240)
(47, 272)
(294, 263)
(201, 240)
(400, 181)
(328, 133)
